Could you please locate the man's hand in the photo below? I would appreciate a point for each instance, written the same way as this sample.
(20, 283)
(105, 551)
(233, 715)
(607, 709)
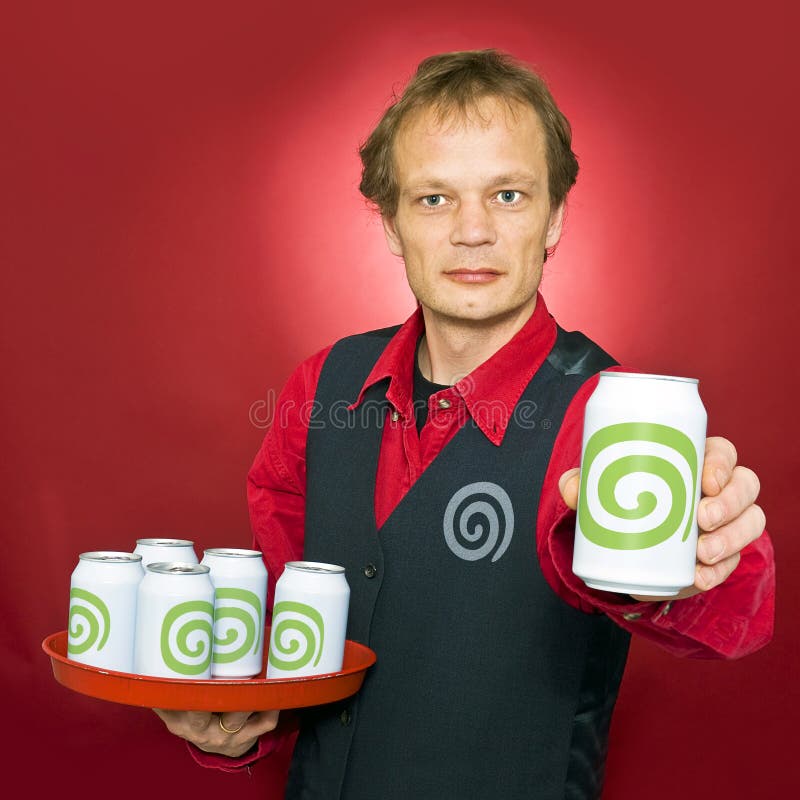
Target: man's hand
(205, 729)
(727, 516)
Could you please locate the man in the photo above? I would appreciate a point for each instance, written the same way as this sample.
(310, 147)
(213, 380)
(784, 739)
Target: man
(497, 668)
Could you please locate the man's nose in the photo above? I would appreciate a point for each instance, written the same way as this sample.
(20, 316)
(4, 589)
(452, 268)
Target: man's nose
(472, 224)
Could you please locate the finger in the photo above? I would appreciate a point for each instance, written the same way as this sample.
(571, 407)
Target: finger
(234, 720)
(718, 464)
(740, 492)
(232, 749)
(261, 722)
(707, 577)
(192, 725)
(253, 725)
(733, 537)
(569, 484)
(239, 743)
(198, 720)
(250, 723)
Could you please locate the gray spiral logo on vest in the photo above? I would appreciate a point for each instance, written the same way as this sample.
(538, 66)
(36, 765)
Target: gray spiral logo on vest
(479, 520)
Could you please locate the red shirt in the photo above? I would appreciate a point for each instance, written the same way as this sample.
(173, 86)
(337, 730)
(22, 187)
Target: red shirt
(729, 621)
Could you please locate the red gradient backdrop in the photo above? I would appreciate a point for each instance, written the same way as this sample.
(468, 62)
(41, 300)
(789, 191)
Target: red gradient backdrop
(181, 225)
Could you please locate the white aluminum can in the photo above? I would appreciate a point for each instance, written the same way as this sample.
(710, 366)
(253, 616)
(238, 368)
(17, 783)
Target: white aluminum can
(309, 620)
(641, 467)
(174, 621)
(240, 596)
(152, 550)
(102, 609)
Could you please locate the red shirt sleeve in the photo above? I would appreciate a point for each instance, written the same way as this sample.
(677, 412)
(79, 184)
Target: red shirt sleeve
(276, 496)
(269, 743)
(729, 621)
(276, 483)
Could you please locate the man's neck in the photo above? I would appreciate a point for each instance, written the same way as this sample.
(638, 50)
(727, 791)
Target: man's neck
(451, 348)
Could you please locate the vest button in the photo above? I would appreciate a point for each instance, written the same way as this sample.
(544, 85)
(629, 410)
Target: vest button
(444, 403)
(370, 570)
(345, 717)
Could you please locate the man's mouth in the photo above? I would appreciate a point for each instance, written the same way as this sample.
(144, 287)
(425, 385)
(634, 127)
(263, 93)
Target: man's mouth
(463, 275)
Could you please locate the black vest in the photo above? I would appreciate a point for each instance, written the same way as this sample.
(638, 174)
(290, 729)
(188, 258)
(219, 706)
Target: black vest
(487, 684)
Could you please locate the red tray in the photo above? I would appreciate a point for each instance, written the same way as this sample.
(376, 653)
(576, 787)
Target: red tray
(250, 694)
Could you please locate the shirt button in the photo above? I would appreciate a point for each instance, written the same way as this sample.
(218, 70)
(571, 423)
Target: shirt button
(345, 717)
(444, 403)
(370, 570)
(632, 616)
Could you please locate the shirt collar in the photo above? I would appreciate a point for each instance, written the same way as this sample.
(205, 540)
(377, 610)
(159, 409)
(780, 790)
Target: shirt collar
(490, 392)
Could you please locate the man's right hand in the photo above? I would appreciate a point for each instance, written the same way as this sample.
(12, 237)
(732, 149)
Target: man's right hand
(205, 729)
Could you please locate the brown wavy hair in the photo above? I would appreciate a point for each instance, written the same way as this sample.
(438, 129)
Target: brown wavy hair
(456, 82)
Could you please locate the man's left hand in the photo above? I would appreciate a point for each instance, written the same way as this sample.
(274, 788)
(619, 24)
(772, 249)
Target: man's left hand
(727, 516)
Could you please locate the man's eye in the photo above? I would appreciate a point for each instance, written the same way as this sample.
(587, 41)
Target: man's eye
(509, 196)
(432, 200)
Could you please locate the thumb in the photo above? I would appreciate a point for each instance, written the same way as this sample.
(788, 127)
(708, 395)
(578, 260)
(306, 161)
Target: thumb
(568, 485)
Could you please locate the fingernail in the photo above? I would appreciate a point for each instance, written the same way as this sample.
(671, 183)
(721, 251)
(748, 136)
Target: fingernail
(722, 478)
(714, 513)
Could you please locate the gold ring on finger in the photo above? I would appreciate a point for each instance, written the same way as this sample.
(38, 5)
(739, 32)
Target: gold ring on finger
(229, 730)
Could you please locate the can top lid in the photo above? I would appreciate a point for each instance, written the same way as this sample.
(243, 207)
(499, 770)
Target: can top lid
(314, 566)
(232, 552)
(178, 568)
(165, 542)
(112, 556)
(606, 374)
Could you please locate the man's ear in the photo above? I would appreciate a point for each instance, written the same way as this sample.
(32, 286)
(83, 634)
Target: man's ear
(555, 225)
(392, 237)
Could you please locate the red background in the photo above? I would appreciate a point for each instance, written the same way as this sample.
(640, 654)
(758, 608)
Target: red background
(181, 226)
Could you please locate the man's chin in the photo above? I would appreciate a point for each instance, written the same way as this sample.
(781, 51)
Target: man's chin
(476, 316)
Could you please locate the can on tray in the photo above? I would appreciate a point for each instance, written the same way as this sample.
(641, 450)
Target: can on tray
(240, 596)
(309, 620)
(174, 621)
(641, 466)
(152, 550)
(102, 609)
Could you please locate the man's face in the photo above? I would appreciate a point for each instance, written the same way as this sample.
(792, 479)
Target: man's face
(473, 218)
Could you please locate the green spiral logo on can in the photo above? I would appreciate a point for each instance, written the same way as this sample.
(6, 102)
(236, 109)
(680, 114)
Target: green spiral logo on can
(89, 622)
(297, 636)
(239, 626)
(656, 466)
(186, 637)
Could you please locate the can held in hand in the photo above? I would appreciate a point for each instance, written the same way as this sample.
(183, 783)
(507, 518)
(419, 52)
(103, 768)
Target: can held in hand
(240, 596)
(102, 609)
(153, 550)
(174, 621)
(309, 620)
(641, 466)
